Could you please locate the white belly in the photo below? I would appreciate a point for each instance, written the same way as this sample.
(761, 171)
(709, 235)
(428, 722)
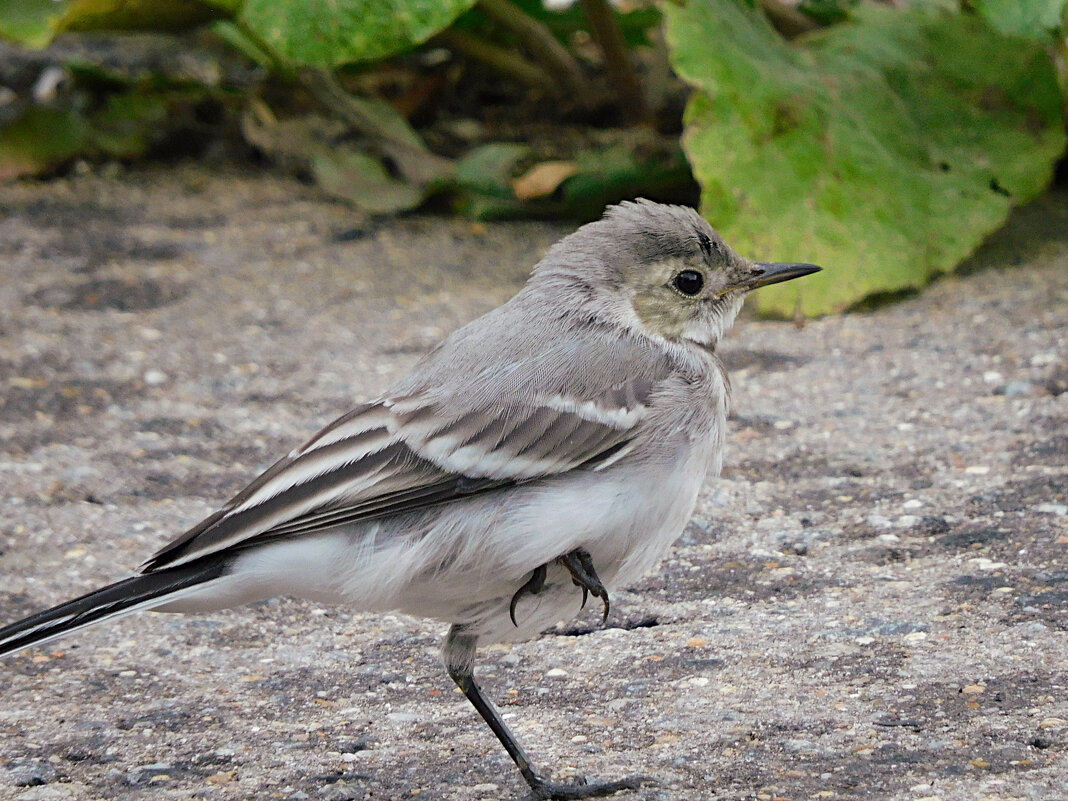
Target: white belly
(462, 562)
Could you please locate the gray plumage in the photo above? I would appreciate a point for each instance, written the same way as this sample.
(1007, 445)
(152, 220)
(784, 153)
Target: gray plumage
(581, 416)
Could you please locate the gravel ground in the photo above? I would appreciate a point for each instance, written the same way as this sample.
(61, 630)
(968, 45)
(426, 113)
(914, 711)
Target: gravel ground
(870, 603)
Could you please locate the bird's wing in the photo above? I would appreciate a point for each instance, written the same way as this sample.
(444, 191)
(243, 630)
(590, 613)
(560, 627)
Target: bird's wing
(408, 452)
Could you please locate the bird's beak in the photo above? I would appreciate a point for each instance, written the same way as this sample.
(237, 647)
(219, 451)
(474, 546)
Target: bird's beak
(776, 272)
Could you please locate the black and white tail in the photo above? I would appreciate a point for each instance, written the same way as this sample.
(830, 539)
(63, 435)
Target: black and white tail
(143, 591)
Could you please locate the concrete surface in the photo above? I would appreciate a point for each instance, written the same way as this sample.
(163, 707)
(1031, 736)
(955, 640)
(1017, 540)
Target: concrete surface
(871, 603)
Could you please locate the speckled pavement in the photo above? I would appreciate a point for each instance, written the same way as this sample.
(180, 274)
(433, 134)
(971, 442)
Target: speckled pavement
(871, 603)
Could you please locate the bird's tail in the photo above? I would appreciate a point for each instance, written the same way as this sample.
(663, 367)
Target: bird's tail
(143, 591)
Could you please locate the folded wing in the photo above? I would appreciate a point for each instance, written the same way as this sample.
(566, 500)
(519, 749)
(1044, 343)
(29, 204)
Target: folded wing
(406, 453)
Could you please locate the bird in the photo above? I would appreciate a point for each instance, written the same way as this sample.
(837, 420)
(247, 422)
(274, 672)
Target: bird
(550, 450)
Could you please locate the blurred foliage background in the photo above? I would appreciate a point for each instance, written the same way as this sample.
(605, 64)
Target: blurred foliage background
(882, 140)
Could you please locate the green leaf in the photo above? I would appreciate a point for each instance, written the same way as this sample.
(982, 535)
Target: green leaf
(36, 22)
(135, 15)
(487, 169)
(885, 149)
(30, 22)
(127, 126)
(1033, 19)
(385, 119)
(329, 33)
(828, 11)
(362, 180)
(483, 180)
(41, 140)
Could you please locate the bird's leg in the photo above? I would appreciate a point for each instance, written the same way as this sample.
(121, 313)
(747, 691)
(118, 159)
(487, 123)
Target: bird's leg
(532, 587)
(459, 655)
(580, 564)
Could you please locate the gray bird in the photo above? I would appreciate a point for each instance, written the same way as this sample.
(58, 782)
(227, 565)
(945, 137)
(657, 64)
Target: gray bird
(552, 448)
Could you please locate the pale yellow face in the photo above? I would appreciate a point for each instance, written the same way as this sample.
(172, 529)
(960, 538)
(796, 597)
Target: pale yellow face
(694, 296)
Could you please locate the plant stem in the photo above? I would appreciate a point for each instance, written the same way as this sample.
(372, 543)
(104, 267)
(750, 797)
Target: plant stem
(414, 161)
(617, 60)
(330, 93)
(278, 63)
(541, 43)
(500, 58)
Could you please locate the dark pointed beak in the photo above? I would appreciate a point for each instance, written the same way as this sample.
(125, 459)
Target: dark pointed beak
(777, 272)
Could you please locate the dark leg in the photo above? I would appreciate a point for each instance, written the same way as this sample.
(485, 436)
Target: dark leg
(459, 653)
(580, 563)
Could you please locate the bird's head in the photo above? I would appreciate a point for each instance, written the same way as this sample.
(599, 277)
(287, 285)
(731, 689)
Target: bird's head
(665, 268)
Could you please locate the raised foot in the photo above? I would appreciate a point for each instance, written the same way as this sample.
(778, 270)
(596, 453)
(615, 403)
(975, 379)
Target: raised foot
(580, 564)
(543, 790)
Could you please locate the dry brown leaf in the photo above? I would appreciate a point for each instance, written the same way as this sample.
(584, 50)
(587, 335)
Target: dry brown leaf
(542, 179)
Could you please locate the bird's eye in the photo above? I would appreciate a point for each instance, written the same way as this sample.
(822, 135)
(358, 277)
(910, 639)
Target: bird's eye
(689, 282)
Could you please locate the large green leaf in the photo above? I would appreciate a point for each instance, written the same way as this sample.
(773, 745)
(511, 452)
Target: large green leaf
(316, 33)
(35, 22)
(885, 148)
(329, 33)
(30, 22)
(1034, 19)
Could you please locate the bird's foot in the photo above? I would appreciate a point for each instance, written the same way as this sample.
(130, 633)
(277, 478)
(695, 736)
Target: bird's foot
(580, 564)
(544, 791)
(532, 587)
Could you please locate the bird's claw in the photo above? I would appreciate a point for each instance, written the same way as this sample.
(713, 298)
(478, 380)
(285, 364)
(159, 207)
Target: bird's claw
(532, 587)
(579, 564)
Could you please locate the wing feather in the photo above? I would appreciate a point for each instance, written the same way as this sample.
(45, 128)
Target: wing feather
(403, 454)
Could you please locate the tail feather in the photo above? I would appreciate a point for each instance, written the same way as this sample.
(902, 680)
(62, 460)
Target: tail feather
(116, 600)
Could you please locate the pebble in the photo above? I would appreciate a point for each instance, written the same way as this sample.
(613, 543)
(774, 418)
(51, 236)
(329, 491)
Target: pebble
(155, 378)
(799, 746)
(1031, 628)
(1058, 509)
(898, 627)
(46, 87)
(556, 673)
(721, 499)
(54, 792)
(341, 790)
(32, 775)
(1015, 389)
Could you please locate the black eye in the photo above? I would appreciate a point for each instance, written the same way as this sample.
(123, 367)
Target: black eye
(689, 282)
